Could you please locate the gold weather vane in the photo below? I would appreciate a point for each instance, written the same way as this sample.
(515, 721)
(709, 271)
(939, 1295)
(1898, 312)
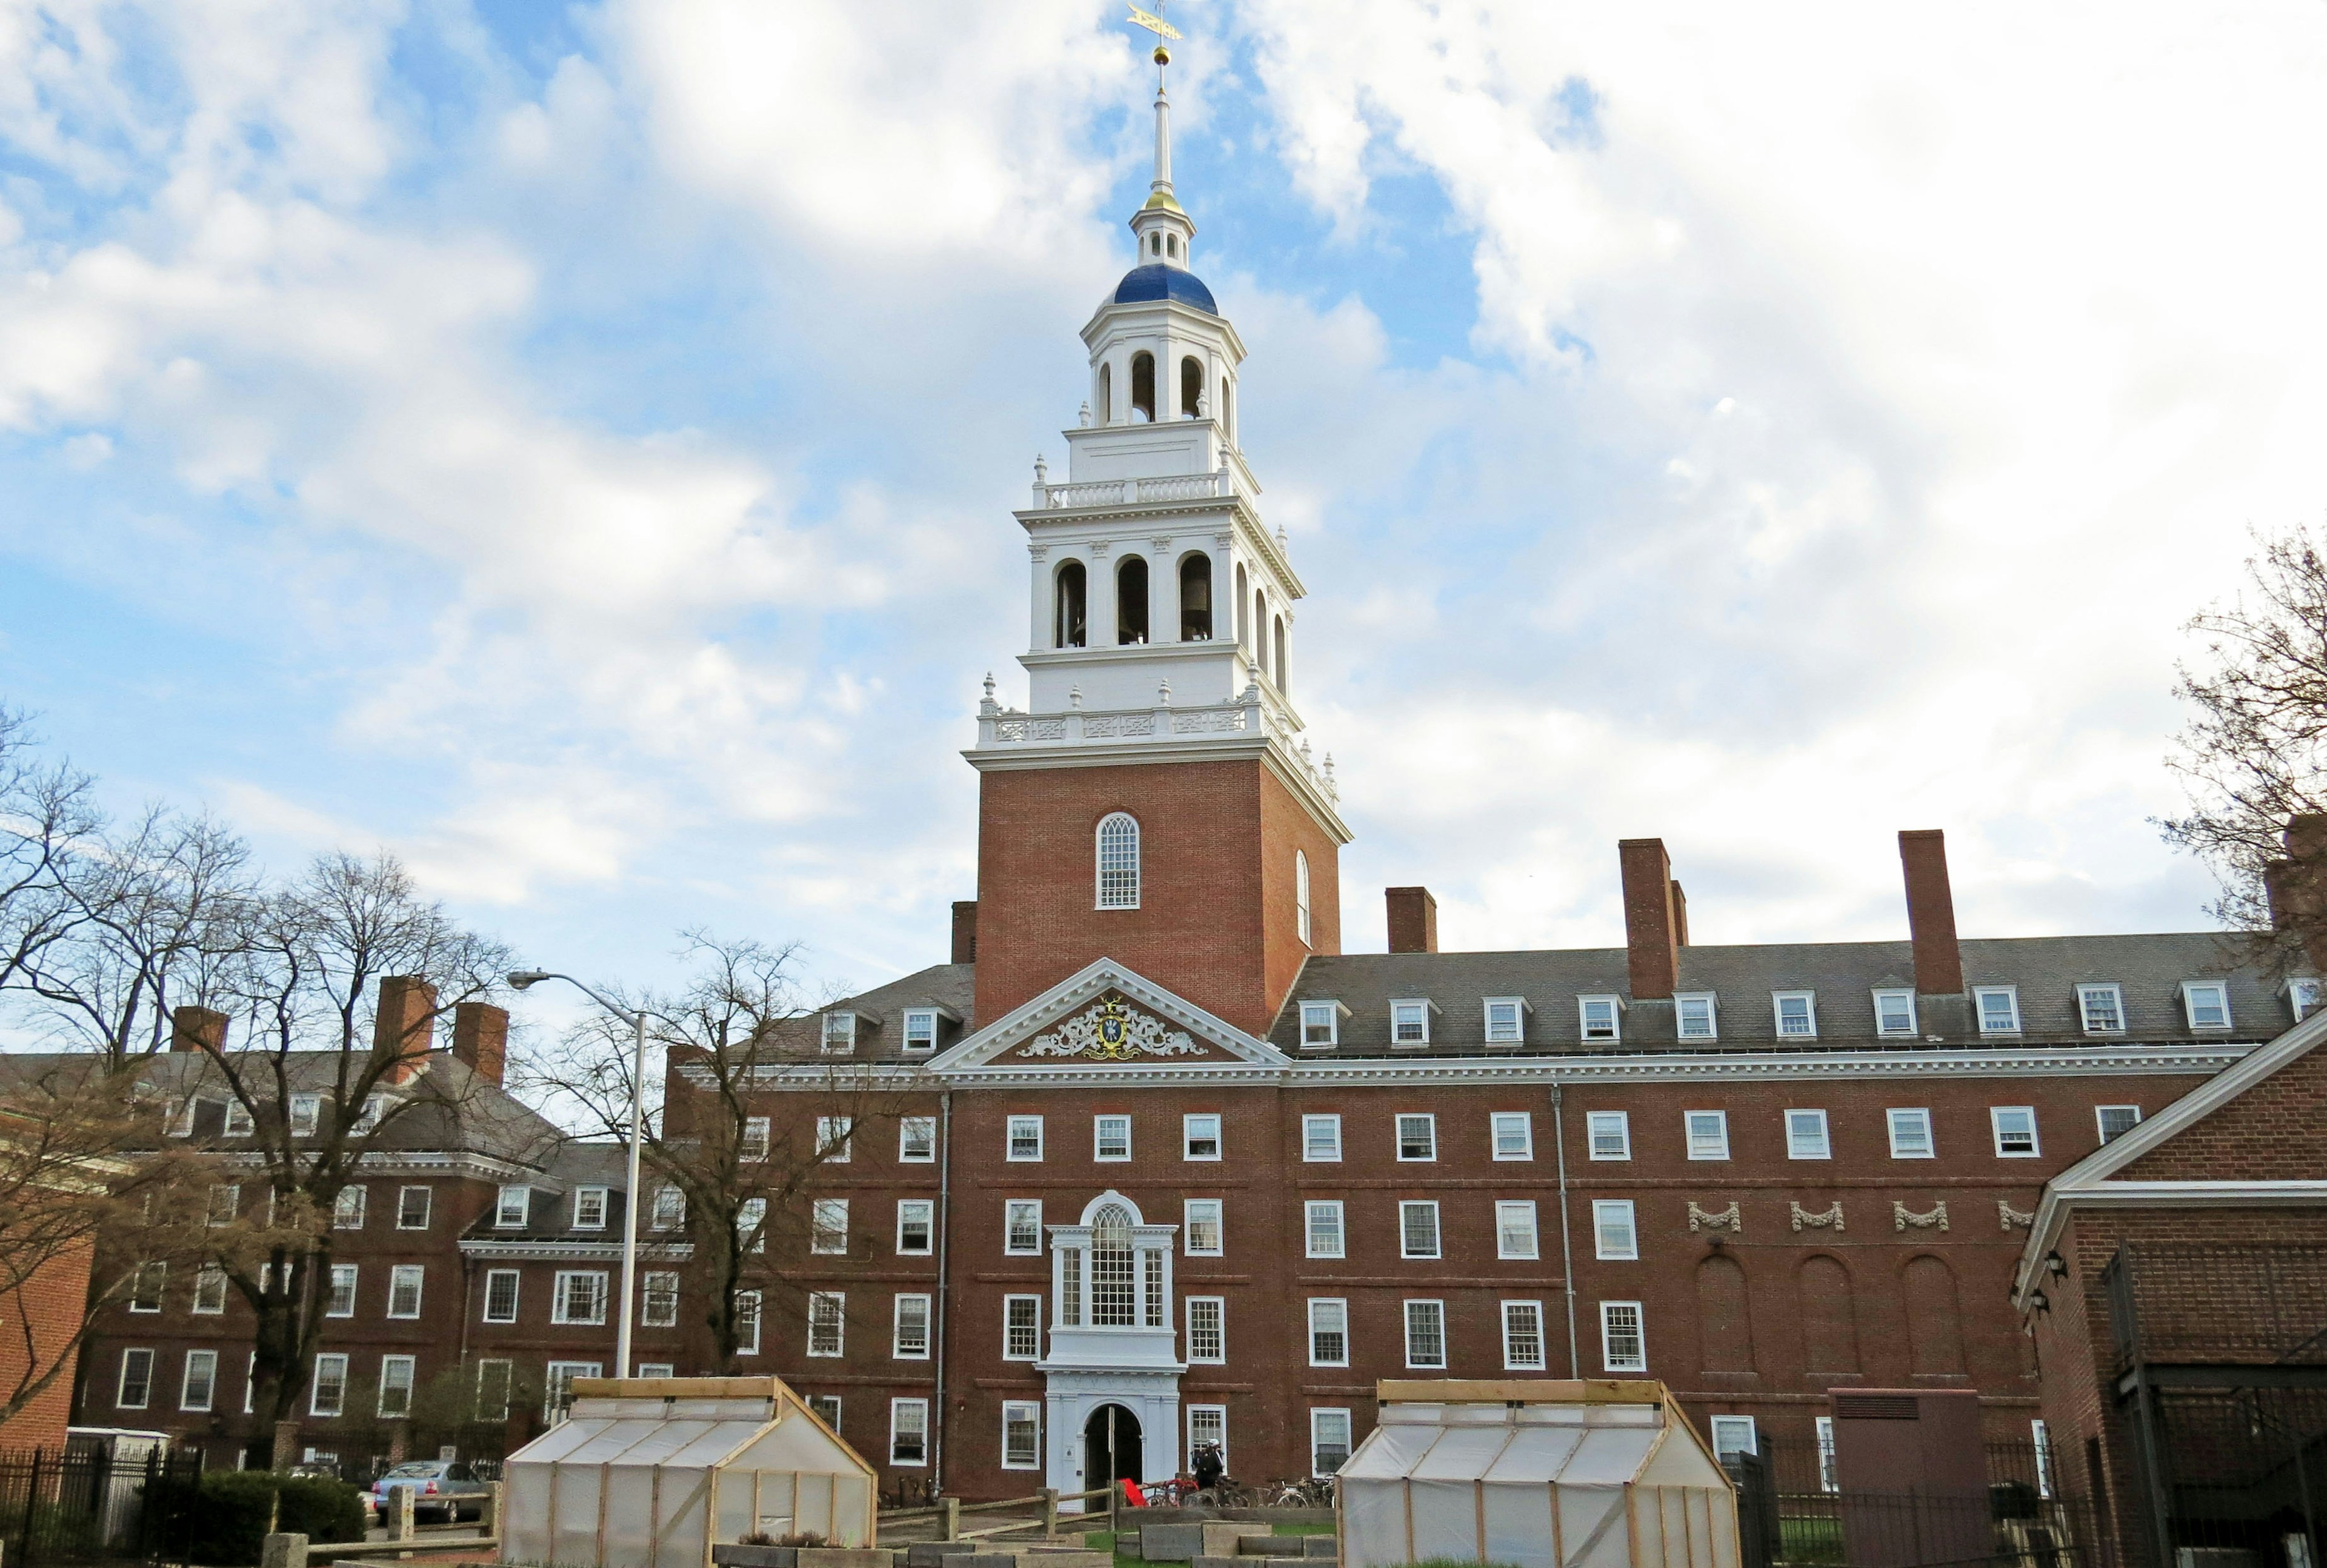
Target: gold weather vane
(1162, 30)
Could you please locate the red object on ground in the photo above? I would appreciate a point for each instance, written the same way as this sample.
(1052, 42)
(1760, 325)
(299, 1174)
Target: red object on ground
(1132, 1494)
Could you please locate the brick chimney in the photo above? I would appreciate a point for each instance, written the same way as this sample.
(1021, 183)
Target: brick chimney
(405, 1025)
(1655, 917)
(481, 1039)
(195, 1028)
(965, 931)
(2297, 904)
(1413, 920)
(1931, 912)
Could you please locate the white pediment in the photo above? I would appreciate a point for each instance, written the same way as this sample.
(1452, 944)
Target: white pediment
(1107, 1016)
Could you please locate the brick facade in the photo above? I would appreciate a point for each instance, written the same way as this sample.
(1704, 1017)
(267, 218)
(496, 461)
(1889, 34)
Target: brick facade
(48, 1310)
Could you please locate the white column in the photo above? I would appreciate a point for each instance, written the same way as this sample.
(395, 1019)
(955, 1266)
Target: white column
(1164, 593)
(1098, 601)
(1039, 615)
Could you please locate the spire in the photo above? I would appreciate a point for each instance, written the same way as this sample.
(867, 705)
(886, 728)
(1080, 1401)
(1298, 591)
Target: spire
(1163, 180)
(1165, 230)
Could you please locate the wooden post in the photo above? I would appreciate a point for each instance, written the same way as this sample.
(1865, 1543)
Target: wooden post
(399, 1519)
(1049, 1512)
(952, 1519)
(490, 1521)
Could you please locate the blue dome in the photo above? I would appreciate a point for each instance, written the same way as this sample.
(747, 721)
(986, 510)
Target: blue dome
(1156, 281)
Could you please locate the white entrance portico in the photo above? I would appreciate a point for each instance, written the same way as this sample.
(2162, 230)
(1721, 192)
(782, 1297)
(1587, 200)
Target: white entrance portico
(1112, 1343)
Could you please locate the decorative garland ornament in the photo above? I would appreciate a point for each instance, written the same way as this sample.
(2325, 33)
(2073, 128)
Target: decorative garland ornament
(1902, 1217)
(2011, 1219)
(1729, 1220)
(1829, 1220)
(1110, 1032)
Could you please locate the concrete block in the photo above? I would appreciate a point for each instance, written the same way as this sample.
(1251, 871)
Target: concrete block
(287, 1550)
(845, 1557)
(929, 1554)
(734, 1557)
(1320, 1547)
(1223, 1537)
(1174, 1542)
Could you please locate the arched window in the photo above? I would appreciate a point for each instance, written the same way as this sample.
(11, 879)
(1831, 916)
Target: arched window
(1228, 427)
(1143, 386)
(1260, 629)
(1131, 600)
(1195, 598)
(1301, 894)
(1244, 632)
(1107, 393)
(1068, 629)
(1171, 247)
(1114, 1284)
(1118, 861)
(1154, 245)
(1277, 661)
(1192, 388)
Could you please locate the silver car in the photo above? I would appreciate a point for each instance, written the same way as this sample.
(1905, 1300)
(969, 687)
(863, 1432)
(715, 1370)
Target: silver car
(444, 1490)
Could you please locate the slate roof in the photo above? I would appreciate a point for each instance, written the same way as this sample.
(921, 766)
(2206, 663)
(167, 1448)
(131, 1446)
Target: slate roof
(881, 1012)
(549, 1213)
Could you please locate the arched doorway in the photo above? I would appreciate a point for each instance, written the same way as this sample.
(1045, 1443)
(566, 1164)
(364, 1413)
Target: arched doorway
(1111, 1448)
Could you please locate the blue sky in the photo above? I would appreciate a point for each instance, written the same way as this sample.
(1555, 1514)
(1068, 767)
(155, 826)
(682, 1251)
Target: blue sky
(573, 446)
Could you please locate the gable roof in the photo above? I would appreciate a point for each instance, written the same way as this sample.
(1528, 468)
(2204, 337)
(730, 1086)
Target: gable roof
(975, 1057)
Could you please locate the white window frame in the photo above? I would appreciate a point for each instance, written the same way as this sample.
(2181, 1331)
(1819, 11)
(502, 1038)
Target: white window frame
(1028, 1414)
(511, 1207)
(1729, 1426)
(658, 1369)
(659, 1300)
(1715, 1148)
(920, 1035)
(1609, 1313)
(751, 1225)
(828, 1226)
(1542, 1346)
(336, 1383)
(2086, 995)
(670, 1211)
(897, 1426)
(210, 1291)
(759, 1137)
(1435, 1307)
(1995, 1115)
(898, 1349)
(1033, 1305)
(516, 1278)
(352, 1273)
(1212, 1416)
(1979, 1000)
(1193, 1214)
(817, 1302)
(1397, 1132)
(1301, 896)
(1917, 1117)
(1310, 1126)
(826, 1407)
(1219, 1306)
(1613, 1025)
(403, 1277)
(403, 1220)
(1321, 1417)
(1310, 1211)
(1822, 1432)
(838, 1036)
(349, 1208)
(1682, 1002)
(929, 1215)
(1499, 1122)
(1508, 1209)
(1102, 896)
(835, 1140)
(1192, 1132)
(561, 1298)
(907, 1126)
(1809, 999)
(1420, 1006)
(207, 1361)
(1620, 1122)
(239, 1123)
(749, 1321)
(1902, 994)
(1011, 1130)
(398, 1374)
(226, 1209)
(1621, 1211)
(557, 1387)
(1795, 1148)
(1099, 1123)
(140, 1301)
(1404, 1238)
(2189, 989)
(143, 1360)
(2303, 993)
(1012, 1210)
(584, 1198)
(1512, 1033)
(1327, 1014)
(2100, 1120)
(306, 1114)
(1336, 1306)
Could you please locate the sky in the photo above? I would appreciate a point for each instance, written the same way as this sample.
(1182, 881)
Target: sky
(573, 446)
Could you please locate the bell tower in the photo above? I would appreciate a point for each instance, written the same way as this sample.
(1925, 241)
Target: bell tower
(1158, 800)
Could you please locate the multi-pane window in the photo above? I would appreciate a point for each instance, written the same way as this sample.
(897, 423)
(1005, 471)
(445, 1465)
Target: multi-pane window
(1325, 1234)
(1806, 1137)
(1597, 1017)
(1202, 1134)
(1523, 1336)
(1114, 1284)
(910, 1337)
(1998, 1009)
(2208, 1003)
(1609, 1135)
(494, 1380)
(589, 1209)
(1506, 1019)
(342, 1301)
(917, 1140)
(1894, 1013)
(1301, 896)
(1328, 1441)
(557, 1387)
(1203, 1228)
(658, 1308)
(2101, 1009)
(1615, 1235)
(2015, 1131)
(1708, 1133)
(1417, 1137)
(909, 1431)
(306, 1114)
(1329, 1331)
(920, 1029)
(1118, 862)
(1208, 1427)
(1320, 1024)
(751, 1223)
(239, 1123)
(1623, 1348)
(1207, 1329)
(1829, 1481)
(828, 1226)
(1321, 1139)
(1426, 1335)
(146, 1286)
(1110, 1138)
(368, 1119)
(916, 1226)
(134, 1390)
(759, 1136)
(2302, 997)
(396, 1379)
(1417, 1230)
(210, 1291)
(226, 1202)
(200, 1384)
(328, 1392)
(508, 1210)
(1734, 1435)
(747, 1322)
(1022, 1328)
(1515, 1230)
(2117, 1121)
(1694, 1017)
(580, 1297)
(348, 1208)
(1021, 1434)
(1021, 1226)
(826, 1407)
(827, 1311)
(669, 1208)
(403, 1286)
(1024, 1138)
(1910, 1132)
(839, 1036)
(835, 1139)
(1796, 1012)
(1513, 1134)
(1409, 1023)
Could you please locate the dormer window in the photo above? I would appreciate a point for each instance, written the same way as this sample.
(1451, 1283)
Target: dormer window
(2302, 997)
(589, 1209)
(1321, 1025)
(2101, 1009)
(509, 1213)
(839, 1033)
(1894, 1013)
(1409, 1022)
(1998, 1008)
(1506, 1019)
(1694, 1017)
(920, 1029)
(1597, 1017)
(1796, 1014)
(2207, 1002)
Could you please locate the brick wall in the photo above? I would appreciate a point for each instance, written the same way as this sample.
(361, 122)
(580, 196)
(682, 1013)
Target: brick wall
(2269, 1133)
(49, 1306)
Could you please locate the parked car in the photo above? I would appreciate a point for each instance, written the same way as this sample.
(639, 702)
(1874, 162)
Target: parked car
(444, 1490)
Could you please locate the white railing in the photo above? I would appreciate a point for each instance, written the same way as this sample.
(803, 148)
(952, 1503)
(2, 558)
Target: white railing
(1118, 492)
(1252, 713)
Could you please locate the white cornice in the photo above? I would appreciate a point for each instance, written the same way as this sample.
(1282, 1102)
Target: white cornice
(973, 1054)
(542, 1251)
(427, 1162)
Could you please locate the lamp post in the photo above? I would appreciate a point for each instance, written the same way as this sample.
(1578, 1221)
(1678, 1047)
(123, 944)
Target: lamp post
(636, 1017)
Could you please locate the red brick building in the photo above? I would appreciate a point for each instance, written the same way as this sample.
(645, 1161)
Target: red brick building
(44, 1314)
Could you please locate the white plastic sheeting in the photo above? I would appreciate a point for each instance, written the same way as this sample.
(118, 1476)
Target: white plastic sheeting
(1539, 1474)
(652, 1473)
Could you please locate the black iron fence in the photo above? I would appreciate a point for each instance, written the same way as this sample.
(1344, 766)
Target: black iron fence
(2218, 1305)
(91, 1508)
(1791, 1514)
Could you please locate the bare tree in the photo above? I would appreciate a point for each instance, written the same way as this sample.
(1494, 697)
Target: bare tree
(738, 1157)
(45, 820)
(2252, 755)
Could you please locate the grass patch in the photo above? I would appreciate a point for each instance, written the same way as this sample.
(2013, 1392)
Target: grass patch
(1810, 1541)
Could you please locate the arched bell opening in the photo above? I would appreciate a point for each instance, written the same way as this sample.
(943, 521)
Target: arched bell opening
(1196, 598)
(1131, 600)
(1142, 388)
(1192, 388)
(1277, 661)
(1107, 393)
(1068, 627)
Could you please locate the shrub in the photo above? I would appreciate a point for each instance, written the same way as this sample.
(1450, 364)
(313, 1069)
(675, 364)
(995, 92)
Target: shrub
(231, 1509)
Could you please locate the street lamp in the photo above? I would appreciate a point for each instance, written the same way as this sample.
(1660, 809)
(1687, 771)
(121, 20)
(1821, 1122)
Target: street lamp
(636, 1017)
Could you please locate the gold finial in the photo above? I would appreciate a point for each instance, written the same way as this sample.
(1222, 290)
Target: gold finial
(1161, 29)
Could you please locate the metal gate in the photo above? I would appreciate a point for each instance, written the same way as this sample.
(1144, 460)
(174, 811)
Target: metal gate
(87, 1507)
